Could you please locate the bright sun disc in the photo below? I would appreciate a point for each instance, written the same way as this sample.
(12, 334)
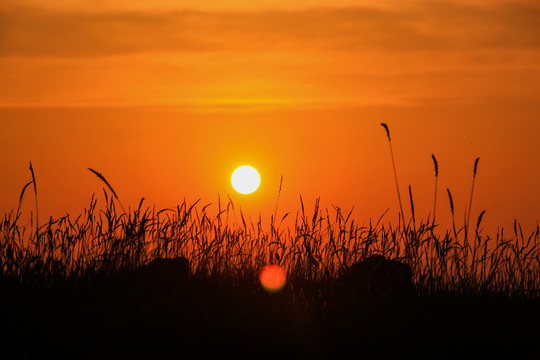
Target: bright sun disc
(245, 179)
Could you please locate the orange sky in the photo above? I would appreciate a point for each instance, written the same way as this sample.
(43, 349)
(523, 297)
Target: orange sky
(166, 97)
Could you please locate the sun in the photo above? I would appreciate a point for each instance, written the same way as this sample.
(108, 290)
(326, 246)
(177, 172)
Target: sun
(245, 179)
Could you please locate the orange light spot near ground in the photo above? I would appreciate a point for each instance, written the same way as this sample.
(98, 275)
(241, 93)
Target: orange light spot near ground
(272, 278)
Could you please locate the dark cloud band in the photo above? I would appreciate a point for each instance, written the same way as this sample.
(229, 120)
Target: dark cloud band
(433, 26)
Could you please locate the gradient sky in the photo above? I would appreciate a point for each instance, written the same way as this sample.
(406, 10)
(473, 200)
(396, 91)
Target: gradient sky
(166, 98)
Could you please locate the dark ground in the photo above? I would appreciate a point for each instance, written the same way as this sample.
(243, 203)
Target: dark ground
(206, 318)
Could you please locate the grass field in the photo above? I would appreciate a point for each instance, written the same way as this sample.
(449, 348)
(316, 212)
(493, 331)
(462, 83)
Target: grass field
(69, 286)
(65, 291)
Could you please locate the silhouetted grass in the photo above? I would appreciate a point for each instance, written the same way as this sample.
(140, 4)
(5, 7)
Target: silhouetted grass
(485, 287)
(385, 126)
(436, 165)
(316, 247)
(73, 268)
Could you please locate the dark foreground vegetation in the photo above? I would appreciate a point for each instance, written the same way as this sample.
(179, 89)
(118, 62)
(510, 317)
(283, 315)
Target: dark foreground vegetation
(86, 287)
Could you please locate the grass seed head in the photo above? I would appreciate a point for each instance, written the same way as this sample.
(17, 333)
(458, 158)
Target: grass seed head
(387, 130)
(436, 165)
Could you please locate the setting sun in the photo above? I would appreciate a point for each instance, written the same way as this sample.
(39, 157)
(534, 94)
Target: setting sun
(245, 179)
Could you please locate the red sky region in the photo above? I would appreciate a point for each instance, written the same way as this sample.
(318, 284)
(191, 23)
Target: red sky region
(167, 98)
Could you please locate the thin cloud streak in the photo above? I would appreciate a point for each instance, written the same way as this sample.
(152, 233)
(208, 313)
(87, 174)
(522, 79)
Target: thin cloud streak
(410, 54)
(261, 79)
(431, 27)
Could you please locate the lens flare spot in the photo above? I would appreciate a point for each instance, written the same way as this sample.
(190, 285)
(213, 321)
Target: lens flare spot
(272, 278)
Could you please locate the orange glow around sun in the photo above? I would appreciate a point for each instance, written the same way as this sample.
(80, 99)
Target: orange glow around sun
(272, 278)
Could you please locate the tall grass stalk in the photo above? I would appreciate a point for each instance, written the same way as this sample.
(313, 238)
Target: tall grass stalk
(472, 191)
(412, 207)
(385, 126)
(279, 195)
(468, 219)
(102, 178)
(436, 165)
(36, 200)
(452, 212)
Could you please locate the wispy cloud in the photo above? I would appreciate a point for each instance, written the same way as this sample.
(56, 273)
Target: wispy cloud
(355, 55)
(432, 26)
